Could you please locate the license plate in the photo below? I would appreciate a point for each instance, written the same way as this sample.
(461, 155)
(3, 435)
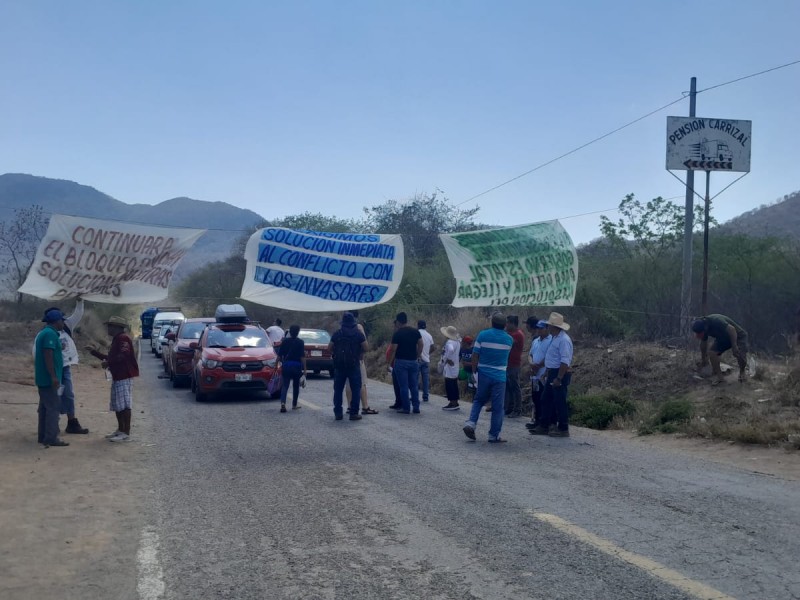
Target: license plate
(316, 353)
(243, 376)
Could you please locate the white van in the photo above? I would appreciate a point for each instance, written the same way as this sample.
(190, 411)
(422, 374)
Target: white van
(161, 319)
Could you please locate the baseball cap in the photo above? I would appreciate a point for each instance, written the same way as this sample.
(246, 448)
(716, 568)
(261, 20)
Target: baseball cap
(53, 315)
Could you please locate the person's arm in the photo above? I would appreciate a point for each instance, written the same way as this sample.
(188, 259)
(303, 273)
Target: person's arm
(96, 353)
(76, 316)
(703, 352)
(562, 370)
(475, 357)
(420, 346)
(50, 365)
(390, 356)
(734, 337)
(364, 348)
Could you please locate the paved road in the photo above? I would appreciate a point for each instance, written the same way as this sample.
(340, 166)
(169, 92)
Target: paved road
(251, 503)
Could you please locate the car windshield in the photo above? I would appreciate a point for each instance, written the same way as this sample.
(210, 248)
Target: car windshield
(314, 336)
(244, 337)
(192, 331)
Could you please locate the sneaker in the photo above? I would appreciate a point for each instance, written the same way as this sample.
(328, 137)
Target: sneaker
(74, 426)
(283, 408)
(488, 409)
(497, 440)
(469, 431)
(531, 424)
(57, 443)
(451, 407)
(295, 406)
(415, 411)
(538, 430)
(120, 437)
(395, 407)
(339, 417)
(113, 434)
(355, 417)
(559, 433)
(400, 411)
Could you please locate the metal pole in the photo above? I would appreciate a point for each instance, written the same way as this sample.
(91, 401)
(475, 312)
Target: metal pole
(686, 280)
(705, 245)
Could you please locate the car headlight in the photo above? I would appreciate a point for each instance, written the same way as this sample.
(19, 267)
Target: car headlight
(210, 363)
(270, 362)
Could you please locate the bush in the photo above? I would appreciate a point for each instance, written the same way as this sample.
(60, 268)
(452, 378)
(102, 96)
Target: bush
(598, 411)
(669, 417)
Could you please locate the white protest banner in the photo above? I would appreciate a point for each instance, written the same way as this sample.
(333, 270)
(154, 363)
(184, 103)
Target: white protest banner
(106, 261)
(297, 269)
(528, 265)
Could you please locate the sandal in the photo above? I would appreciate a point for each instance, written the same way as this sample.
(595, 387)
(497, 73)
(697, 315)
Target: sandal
(369, 411)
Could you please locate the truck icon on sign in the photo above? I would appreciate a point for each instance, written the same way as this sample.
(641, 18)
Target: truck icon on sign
(712, 150)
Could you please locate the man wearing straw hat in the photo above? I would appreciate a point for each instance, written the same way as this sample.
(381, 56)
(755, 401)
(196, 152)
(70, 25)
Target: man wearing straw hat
(557, 361)
(121, 362)
(450, 367)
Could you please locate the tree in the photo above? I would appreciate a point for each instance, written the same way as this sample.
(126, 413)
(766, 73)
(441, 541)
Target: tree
(19, 241)
(420, 220)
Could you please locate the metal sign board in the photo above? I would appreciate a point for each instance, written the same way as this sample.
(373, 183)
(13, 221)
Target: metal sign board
(703, 144)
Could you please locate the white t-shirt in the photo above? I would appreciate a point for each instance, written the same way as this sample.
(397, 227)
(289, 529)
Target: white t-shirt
(427, 342)
(275, 333)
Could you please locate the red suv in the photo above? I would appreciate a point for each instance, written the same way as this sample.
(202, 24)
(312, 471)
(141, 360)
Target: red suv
(178, 355)
(232, 357)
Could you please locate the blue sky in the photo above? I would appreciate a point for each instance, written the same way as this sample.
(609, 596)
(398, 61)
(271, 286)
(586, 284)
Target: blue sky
(328, 107)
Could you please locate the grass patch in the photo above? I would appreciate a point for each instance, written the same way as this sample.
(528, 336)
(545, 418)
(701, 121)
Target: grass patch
(597, 411)
(670, 417)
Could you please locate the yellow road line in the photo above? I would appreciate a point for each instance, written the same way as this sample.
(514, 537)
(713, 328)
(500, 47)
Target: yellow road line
(308, 404)
(659, 571)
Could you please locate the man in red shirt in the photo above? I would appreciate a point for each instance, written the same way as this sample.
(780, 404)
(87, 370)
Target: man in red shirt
(121, 362)
(513, 403)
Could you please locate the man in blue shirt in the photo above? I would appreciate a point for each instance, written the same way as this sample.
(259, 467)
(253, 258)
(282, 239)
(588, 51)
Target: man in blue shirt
(48, 369)
(490, 360)
(557, 361)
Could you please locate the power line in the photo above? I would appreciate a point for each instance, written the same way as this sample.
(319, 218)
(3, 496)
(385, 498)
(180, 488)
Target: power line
(626, 125)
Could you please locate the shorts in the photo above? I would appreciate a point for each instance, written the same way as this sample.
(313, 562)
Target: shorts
(121, 395)
(363, 373)
(724, 344)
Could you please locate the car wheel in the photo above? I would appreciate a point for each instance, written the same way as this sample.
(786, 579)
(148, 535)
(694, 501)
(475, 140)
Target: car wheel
(192, 384)
(175, 382)
(200, 396)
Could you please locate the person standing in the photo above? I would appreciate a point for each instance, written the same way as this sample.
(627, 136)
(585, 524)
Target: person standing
(48, 372)
(513, 400)
(276, 333)
(728, 335)
(292, 354)
(365, 409)
(490, 361)
(121, 362)
(557, 361)
(541, 341)
(450, 355)
(405, 351)
(425, 358)
(347, 346)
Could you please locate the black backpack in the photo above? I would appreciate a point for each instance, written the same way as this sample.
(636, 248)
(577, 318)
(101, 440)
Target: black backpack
(346, 351)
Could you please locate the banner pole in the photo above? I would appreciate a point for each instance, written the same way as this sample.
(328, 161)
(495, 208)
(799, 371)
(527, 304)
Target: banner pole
(705, 245)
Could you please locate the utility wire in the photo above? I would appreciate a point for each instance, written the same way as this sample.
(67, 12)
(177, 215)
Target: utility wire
(625, 126)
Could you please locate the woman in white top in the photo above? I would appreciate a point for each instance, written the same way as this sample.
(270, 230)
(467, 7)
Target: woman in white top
(450, 366)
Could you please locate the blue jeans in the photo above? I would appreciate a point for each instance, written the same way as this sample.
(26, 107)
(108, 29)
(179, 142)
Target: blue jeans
(291, 373)
(554, 401)
(408, 381)
(49, 405)
(489, 389)
(68, 397)
(340, 377)
(425, 372)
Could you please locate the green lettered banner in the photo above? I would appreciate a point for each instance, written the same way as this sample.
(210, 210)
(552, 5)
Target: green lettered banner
(527, 265)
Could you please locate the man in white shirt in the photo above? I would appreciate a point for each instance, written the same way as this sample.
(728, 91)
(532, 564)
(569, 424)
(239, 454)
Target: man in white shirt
(541, 342)
(276, 332)
(450, 366)
(557, 362)
(425, 358)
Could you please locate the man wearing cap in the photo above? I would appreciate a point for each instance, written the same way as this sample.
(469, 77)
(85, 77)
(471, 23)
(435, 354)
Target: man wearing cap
(557, 361)
(425, 358)
(728, 335)
(490, 361)
(48, 371)
(347, 346)
(405, 351)
(121, 362)
(541, 341)
(450, 368)
(513, 399)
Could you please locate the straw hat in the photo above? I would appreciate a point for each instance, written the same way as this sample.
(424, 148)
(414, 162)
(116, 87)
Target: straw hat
(118, 321)
(557, 320)
(450, 332)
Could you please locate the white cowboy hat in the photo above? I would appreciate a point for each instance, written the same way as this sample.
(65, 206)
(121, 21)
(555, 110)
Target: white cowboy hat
(557, 320)
(450, 332)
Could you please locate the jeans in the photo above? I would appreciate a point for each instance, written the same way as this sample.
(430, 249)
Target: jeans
(537, 390)
(407, 380)
(341, 376)
(554, 401)
(513, 402)
(68, 397)
(397, 396)
(489, 389)
(291, 373)
(424, 371)
(451, 388)
(49, 409)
